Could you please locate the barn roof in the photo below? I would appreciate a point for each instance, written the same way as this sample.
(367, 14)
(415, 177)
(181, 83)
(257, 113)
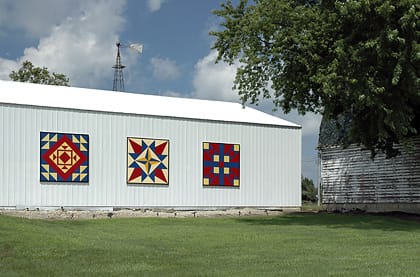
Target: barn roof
(132, 103)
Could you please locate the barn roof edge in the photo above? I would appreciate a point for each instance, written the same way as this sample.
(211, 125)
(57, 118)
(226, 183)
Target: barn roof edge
(134, 103)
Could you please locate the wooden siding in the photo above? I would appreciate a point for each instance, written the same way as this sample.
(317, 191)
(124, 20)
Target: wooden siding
(350, 176)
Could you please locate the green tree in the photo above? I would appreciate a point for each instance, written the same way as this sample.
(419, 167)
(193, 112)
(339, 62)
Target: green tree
(309, 192)
(31, 74)
(330, 57)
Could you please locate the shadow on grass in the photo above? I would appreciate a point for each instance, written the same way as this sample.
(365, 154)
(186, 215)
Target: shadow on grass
(354, 221)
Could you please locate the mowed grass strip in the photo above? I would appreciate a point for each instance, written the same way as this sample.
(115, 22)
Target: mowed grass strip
(299, 245)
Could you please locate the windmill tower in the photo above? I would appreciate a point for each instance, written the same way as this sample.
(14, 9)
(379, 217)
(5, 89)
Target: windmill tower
(118, 72)
(118, 67)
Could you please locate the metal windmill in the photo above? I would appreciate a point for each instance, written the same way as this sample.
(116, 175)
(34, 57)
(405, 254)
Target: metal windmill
(118, 72)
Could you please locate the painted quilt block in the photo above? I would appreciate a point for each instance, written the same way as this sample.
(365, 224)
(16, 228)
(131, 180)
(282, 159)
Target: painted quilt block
(148, 161)
(64, 157)
(221, 164)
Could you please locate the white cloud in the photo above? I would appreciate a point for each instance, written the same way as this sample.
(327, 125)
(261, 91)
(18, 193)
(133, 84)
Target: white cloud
(310, 122)
(81, 45)
(6, 66)
(164, 69)
(172, 93)
(154, 5)
(35, 18)
(214, 81)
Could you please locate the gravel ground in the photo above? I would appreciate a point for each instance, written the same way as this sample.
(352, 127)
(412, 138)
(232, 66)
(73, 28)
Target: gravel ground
(125, 213)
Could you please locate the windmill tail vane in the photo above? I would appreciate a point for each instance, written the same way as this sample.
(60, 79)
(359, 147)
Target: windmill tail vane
(118, 67)
(136, 47)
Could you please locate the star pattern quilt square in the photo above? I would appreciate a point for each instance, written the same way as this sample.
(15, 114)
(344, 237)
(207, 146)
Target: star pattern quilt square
(221, 164)
(64, 157)
(147, 161)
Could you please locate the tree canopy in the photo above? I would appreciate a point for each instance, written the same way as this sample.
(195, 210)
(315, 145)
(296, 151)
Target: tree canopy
(31, 74)
(309, 191)
(330, 57)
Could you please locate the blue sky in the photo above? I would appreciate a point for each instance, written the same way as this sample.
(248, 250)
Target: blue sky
(77, 38)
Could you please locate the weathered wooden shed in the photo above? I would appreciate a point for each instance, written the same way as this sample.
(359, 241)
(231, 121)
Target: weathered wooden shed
(352, 180)
(91, 149)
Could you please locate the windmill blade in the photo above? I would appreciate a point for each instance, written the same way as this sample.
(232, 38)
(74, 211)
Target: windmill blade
(136, 47)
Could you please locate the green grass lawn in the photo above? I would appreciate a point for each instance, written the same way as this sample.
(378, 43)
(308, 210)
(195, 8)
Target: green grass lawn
(300, 245)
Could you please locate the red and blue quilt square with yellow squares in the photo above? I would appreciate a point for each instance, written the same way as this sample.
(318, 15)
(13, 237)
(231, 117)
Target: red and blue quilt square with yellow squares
(221, 164)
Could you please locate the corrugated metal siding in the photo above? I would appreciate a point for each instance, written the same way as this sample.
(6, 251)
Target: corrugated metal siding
(270, 161)
(351, 176)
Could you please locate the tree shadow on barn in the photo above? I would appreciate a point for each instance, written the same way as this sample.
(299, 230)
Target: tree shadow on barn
(384, 222)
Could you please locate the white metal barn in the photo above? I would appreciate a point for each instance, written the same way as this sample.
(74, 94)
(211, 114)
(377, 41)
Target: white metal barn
(91, 149)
